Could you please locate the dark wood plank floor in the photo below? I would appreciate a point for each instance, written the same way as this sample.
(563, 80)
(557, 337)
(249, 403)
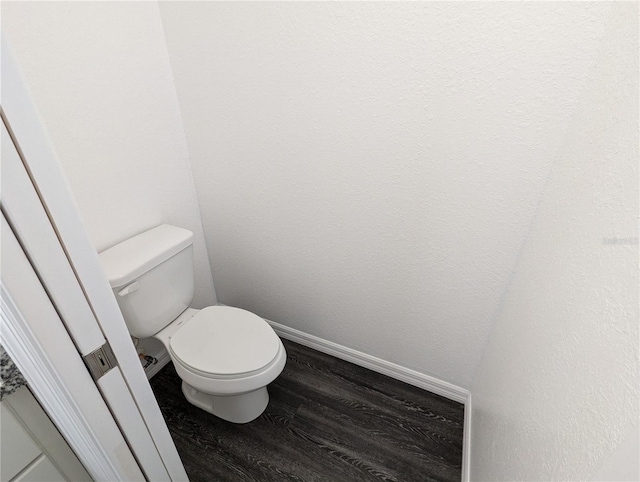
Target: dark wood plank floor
(327, 420)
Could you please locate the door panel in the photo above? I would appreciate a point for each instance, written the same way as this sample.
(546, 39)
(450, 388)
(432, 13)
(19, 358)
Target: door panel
(22, 416)
(35, 338)
(22, 207)
(30, 223)
(155, 451)
(17, 447)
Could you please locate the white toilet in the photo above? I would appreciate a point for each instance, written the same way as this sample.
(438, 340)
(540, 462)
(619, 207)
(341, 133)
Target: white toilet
(225, 356)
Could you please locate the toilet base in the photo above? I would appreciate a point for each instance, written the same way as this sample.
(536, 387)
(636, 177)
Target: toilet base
(235, 408)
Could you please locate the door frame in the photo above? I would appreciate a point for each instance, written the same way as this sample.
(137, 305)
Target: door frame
(49, 361)
(50, 185)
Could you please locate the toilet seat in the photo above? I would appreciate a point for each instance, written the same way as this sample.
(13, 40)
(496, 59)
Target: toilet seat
(222, 342)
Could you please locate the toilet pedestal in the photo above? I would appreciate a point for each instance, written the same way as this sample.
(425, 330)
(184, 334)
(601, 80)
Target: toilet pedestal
(236, 408)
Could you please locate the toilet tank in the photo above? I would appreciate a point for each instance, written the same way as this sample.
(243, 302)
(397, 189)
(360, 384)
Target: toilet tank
(151, 276)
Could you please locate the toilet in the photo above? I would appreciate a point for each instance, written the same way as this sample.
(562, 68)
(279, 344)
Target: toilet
(225, 356)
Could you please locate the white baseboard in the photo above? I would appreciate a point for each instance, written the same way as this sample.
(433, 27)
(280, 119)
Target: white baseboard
(466, 442)
(412, 377)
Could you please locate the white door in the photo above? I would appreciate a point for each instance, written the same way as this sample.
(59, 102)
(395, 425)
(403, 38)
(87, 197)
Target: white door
(33, 335)
(43, 228)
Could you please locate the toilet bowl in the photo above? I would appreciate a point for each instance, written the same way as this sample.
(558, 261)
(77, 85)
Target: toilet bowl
(225, 356)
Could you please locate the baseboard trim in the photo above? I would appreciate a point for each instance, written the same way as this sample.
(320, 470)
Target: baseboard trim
(466, 441)
(412, 377)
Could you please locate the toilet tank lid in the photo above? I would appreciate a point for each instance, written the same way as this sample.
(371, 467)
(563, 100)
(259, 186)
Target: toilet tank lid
(133, 257)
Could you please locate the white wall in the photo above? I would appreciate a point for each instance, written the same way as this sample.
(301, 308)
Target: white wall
(100, 76)
(558, 388)
(367, 172)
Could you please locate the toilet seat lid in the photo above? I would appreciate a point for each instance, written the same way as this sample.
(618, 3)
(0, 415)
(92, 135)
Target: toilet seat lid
(222, 340)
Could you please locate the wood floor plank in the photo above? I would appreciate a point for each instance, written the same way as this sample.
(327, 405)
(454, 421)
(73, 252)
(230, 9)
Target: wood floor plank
(327, 420)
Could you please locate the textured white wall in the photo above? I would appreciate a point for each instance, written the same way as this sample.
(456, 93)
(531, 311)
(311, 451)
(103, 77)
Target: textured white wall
(100, 76)
(367, 172)
(558, 387)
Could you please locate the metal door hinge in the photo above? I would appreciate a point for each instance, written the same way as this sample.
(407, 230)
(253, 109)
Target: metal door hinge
(100, 361)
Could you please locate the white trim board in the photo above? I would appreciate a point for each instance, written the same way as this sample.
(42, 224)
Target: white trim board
(412, 377)
(466, 441)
